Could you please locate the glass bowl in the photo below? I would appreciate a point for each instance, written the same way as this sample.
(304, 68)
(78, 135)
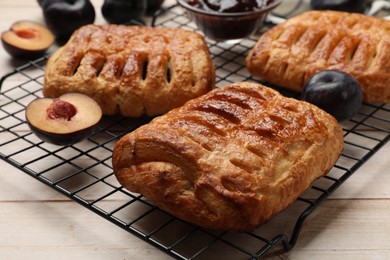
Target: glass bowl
(228, 27)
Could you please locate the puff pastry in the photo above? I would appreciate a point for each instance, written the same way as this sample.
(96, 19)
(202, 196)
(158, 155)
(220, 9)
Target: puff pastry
(131, 70)
(231, 159)
(290, 53)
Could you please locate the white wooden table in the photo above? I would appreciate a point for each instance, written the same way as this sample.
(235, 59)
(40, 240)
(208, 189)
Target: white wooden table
(37, 222)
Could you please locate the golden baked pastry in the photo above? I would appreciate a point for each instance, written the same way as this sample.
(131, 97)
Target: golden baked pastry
(231, 159)
(290, 53)
(132, 70)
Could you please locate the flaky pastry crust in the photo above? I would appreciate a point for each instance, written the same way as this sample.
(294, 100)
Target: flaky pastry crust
(132, 70)
(290, 53)
(231, 159)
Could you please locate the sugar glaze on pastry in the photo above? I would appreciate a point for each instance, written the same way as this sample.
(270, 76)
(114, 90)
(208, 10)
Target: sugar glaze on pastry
(230, 159)
(290, 53)
(131, 70)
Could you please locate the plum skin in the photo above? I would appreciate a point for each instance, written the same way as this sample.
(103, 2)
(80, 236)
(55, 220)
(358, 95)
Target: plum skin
(153, 5)
(63, 17)
(62, 139)
(123, 11)
(334, 91)
(355, 6)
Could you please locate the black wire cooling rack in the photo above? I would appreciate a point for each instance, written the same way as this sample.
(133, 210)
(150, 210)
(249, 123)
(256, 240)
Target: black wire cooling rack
(83, 171)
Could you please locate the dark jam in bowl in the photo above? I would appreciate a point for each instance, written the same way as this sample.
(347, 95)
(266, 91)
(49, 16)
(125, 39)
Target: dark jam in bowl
(224, 20)
(229, 6)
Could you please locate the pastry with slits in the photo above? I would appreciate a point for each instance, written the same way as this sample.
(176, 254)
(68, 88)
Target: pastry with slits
(230, 159)
(132, 70)
(290, 53)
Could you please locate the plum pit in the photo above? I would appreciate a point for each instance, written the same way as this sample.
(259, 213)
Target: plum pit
(61, 109)
(27, 33)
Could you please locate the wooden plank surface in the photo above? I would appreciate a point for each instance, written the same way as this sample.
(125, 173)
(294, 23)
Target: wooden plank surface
(39, 223)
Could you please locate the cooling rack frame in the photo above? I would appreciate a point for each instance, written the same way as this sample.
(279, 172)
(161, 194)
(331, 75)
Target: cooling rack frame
(89, 163)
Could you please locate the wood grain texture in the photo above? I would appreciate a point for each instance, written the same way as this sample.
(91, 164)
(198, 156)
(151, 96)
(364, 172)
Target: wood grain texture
(39, 223)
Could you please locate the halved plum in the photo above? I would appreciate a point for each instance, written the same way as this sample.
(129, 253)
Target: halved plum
(27, 40)
(65, 120)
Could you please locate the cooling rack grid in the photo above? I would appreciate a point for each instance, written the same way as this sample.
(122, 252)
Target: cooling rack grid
(83, 172)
